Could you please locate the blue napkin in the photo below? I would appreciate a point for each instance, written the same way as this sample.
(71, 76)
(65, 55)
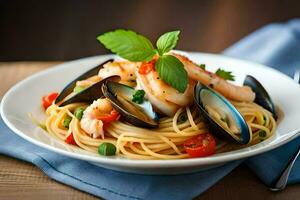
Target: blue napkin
(277, 45)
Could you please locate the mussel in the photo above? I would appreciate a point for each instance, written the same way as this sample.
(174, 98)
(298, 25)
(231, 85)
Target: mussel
(141, 115)
(69, 88)
(223, 118)
(88, 95)
(262, 97)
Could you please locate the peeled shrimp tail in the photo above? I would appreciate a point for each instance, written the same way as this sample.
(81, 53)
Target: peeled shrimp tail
(234, 92)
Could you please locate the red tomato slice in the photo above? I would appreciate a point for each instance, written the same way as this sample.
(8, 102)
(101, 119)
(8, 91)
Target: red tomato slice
(52, 96)
(45, 103)
(147, 67)
(113, 116)
(48, 100)
(70, 140)
(201, 145)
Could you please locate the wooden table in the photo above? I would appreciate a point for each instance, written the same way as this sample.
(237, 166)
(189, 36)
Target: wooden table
(21, 180)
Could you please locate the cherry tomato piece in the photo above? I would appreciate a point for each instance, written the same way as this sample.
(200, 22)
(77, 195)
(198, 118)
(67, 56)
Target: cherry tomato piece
(147, 67)
(70, 140)
(48, 100)
(201, 145)
(113, 116)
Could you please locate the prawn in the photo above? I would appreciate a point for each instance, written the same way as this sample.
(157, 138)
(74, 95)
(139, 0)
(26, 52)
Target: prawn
(88, 82)
(90, 121)
(164, 97)
(124, 69)
(234, 92)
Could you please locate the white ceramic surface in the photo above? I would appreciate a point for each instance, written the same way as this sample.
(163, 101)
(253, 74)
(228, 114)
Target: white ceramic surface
(25, 98)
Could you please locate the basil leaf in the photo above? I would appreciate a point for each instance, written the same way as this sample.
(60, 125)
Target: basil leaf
(167, 42)
(128, 45)
(225, 74)
(171, 70)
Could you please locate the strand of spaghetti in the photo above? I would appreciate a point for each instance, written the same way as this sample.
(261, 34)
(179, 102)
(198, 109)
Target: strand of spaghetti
(53, 129)
(171, 152)
(76, 132)
(136, 150)
(157, 155)
(175, 119)
(142, 133)
(190, 117)
(54, 125)
(135, 156)
(84, 138)
(170, 143)
(262, 128)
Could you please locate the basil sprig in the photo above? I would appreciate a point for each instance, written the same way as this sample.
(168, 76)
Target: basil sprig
(134, 47)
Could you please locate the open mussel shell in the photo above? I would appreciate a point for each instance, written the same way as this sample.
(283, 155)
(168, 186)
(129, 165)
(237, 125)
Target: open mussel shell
(88, 95)
(262, 97)
(69, 88)
(223, 118)
(141, 115)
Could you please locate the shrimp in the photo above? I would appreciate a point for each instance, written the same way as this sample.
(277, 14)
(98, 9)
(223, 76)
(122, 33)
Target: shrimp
(89, 122)
(165, 98)
(124, 69)
(234, 92)
(88, 82)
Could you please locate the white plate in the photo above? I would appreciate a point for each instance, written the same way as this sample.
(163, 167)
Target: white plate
(25, 98)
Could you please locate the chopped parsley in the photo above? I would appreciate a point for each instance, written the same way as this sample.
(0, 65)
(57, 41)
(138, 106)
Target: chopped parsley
(225, 74)
(138, 96)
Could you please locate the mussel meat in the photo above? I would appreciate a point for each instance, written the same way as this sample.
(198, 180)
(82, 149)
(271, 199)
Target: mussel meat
(262, 97)
(141, 115)
(223, 118)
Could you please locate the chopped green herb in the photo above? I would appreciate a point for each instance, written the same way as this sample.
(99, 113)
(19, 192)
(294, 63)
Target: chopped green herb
(202, 66)
(78, 89)
(67, 121)
(107, 149)
(225, 74)
(78, 113)
(138, 96)
(262, 134)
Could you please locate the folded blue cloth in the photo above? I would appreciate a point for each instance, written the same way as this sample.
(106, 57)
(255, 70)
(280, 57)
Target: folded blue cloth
(277, 45)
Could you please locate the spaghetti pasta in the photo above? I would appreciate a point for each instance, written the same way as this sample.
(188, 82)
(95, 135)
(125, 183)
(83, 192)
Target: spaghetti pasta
(164, 142)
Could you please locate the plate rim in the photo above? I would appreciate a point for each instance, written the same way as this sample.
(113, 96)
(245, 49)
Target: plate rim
(143, 163)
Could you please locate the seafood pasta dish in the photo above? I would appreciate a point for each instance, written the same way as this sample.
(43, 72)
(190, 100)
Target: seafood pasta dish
(155, 103)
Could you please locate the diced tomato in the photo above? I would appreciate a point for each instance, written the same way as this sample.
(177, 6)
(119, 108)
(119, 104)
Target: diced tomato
(48, 100)
(70, 140)
(147, 67)
(113, 116)
(201, 145)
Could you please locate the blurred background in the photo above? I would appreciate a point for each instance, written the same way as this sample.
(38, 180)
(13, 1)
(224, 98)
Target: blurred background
(67, 29)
